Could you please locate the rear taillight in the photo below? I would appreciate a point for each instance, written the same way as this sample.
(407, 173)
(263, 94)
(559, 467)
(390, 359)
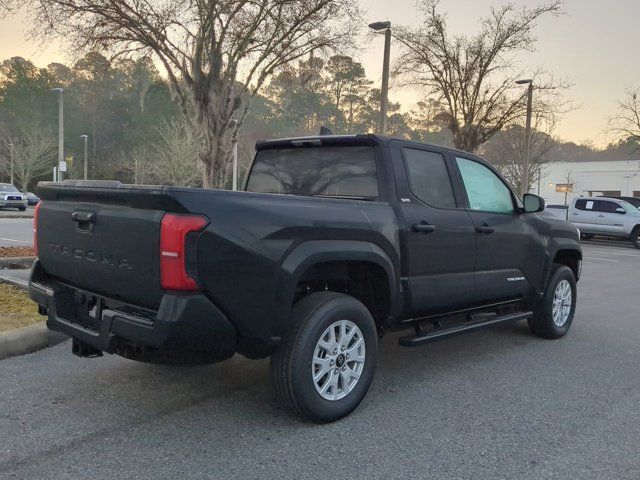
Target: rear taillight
(36, 212)
(173, 238)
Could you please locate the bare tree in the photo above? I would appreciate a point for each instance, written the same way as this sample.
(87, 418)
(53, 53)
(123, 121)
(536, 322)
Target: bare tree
(625, 124)
(175, 156)
(473, 76)
(217, 54)
(506, 150)
(569, 183)
(33, 153)
(140, 164)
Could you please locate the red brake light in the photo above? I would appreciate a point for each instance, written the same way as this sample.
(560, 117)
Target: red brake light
(35, 227)
(173, 234)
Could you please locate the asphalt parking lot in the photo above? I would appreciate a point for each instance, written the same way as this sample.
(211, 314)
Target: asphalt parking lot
(494, 404)
(16, 232)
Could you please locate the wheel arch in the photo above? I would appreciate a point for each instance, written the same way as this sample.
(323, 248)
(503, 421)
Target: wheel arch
(571, 257)
(317, 258)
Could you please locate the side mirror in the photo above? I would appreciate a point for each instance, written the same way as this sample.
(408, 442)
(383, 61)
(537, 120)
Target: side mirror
(621, 210)
(532, 203)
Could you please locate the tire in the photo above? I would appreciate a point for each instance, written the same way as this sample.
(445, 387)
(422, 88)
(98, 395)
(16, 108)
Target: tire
(293, 362)
(542, 322)
(586, 236)
(635, 237)
(22, 209)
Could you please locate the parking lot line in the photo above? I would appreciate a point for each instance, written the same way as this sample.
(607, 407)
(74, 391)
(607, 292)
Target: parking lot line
(608, 252)
(14, 240)
(603, 259)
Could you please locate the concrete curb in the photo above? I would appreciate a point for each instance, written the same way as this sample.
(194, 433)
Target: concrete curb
(17, 262)
(32, 338)
(15, 282)
(26, 214)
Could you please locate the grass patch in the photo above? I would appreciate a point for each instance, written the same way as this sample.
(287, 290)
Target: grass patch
(16, 309)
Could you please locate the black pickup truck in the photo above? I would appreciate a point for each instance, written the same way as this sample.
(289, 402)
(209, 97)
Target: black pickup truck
(334, 241)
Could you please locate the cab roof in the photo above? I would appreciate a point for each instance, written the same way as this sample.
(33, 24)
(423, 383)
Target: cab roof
(357, 139)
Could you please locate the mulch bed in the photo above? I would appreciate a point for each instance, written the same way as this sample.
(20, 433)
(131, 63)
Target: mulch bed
(17, 252)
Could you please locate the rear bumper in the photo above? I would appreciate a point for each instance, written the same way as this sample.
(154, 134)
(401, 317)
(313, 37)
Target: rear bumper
(186, 329)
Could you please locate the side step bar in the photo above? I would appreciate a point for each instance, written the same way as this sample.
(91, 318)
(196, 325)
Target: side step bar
(441, 333)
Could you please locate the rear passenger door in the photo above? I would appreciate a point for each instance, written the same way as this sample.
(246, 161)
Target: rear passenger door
(584, 215)
(507, 256)
(438, 245)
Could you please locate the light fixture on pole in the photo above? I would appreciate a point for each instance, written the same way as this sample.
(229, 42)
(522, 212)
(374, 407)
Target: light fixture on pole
(524, 183)
(384, 91)
(85, 138)
(60, 91)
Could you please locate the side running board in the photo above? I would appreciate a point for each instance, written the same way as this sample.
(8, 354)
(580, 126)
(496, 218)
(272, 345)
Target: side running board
(441, 333)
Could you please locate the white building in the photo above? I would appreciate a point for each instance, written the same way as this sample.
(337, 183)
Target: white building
(577, 179)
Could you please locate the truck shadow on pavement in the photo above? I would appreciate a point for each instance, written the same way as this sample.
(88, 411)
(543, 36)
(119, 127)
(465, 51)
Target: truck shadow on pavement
(117, 400)
(241, 388)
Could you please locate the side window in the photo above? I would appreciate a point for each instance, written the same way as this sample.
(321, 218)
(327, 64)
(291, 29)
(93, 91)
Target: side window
(485, 190)
(428, 178)
(585, 205)
(607, 207)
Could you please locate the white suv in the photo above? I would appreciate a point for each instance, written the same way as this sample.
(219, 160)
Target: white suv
(606, 216)
(11, 197)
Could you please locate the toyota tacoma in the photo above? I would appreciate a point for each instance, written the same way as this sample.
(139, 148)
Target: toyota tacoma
(333, 242)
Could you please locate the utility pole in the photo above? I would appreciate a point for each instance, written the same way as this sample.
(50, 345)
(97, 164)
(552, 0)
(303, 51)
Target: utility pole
(524, 184)
(85, 138)
(60, 91)
(384, 91)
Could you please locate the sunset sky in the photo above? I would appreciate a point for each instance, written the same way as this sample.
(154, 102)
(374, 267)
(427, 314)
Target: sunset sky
(594, 45)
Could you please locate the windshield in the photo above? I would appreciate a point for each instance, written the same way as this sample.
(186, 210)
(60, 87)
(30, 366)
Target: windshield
(5, 187)
(331, 171)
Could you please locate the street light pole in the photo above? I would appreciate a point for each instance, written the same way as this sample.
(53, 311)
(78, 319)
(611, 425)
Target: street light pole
(11, 162)
(59, 91)
(85, 138)
(384, 91)
(524, 184)
(234, 151)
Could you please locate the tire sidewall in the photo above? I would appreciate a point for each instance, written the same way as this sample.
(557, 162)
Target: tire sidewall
(562, 273)
(635, 238)
(308, 399)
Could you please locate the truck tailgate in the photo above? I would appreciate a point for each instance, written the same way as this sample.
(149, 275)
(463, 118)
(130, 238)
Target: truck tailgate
(103, 239)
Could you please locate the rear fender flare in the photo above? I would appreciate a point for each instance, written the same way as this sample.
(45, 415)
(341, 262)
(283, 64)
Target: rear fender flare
(310, 253)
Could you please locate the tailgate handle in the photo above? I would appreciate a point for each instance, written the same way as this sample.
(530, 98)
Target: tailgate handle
(83, 217)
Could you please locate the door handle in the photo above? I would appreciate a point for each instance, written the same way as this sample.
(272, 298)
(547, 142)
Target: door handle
(83, 216)
(485, 229)
(600, 216)
(575, 213)
(423, 227)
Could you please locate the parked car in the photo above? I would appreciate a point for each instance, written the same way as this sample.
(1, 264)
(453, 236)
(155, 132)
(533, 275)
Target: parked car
(335, 241)
(558, 211)
(606, 216)
(32, 199)
(635, 201)
(11, 197)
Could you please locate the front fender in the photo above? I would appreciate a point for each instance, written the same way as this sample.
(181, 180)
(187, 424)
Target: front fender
(556, 245)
